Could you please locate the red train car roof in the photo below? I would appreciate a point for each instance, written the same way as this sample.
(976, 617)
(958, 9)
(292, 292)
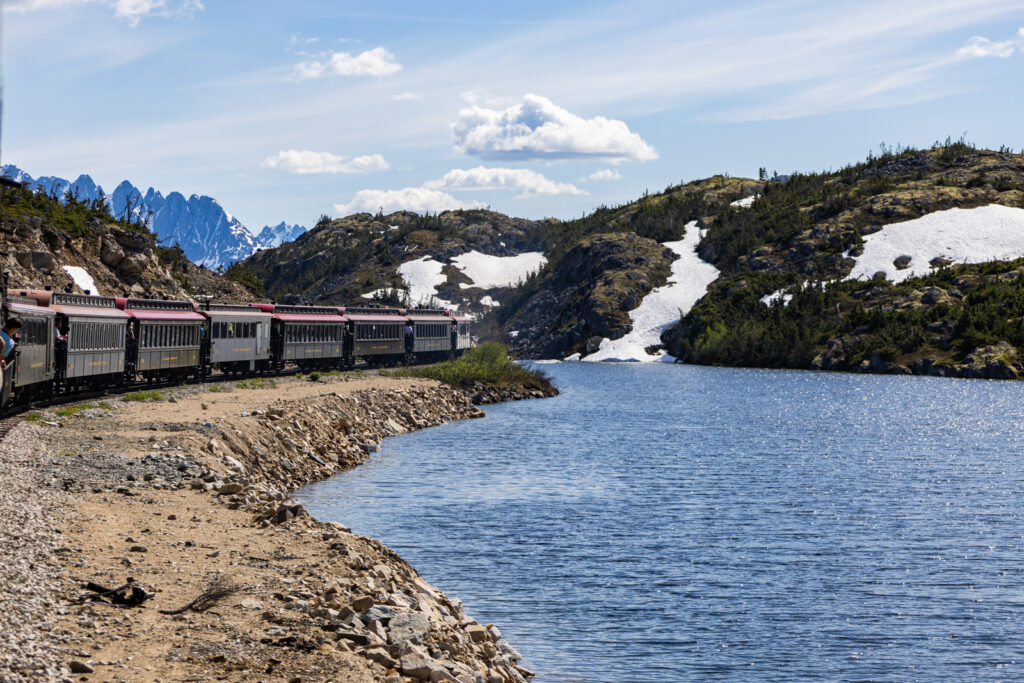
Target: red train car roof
(29, 308)
(369, 318)
(165, 315)
(309, 318)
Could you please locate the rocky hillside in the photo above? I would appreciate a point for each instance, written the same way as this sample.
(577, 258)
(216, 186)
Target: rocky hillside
(898, 264)
(342, 260)
(47, 242)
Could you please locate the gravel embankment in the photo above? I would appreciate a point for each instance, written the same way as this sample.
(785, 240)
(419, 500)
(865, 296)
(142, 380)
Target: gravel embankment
(30, 507)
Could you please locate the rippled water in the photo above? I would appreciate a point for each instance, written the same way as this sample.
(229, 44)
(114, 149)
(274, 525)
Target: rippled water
(669, 522)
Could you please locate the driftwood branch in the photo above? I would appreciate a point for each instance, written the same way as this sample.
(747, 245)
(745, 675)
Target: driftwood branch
(218, 589)
(129, 595)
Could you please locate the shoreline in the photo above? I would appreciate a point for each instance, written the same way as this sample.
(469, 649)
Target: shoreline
(191, 494)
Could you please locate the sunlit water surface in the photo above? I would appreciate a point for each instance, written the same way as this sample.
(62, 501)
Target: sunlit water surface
(668, 522)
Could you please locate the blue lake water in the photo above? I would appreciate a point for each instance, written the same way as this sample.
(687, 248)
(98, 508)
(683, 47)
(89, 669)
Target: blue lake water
(671, 522)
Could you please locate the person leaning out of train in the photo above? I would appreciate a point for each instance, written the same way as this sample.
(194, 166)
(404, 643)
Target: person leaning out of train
(7, 334)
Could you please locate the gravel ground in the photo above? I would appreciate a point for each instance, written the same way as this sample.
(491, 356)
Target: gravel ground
(30, 514)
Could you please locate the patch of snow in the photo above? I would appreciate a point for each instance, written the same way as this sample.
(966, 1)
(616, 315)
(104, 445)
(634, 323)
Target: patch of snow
(422, 277)
(513, 334)
(662, 307)
(488, 301)
(777, 295)
(745, 202)
(81, 277)
(986, 233)
(497, 271)
(571, 359)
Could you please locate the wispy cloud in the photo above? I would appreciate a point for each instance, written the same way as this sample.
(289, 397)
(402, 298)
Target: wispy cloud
(540, 129)
(604, 174)
(308, 162)
(406, 97)
(481, 178)
(979, 46)
(419, 199)
(133, 11)
(375, 62)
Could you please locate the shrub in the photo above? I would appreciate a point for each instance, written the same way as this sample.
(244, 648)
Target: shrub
(485, 364)
(150, 396)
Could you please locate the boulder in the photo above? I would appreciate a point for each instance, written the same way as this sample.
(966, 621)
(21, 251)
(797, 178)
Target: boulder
(42, 260)
(111, 252)
(902, 262)
(411, 628)
(421, 667)
(134, 264)
(379, 613)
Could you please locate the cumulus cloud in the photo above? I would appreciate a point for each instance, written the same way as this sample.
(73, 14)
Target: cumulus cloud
(604, 174)
(481, 178)
(306, 161)
(419, 199)
(405, 97)
(539, 129)
(375, 62)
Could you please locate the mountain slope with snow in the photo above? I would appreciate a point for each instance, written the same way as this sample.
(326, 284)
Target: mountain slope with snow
(664, 305)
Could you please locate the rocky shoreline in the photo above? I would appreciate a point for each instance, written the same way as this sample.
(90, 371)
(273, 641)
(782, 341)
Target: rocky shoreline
(189, 498)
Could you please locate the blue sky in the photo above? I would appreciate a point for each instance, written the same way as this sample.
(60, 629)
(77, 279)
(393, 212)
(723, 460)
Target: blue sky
(287, 110)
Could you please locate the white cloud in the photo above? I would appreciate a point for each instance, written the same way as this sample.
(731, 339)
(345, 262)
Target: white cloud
(604, 174)
(540, 129)
(406, 97)
(419, 199)
(306, 161)
(481, 178)
(22, 6)
(375, 62)
(131, 10)
(983, 47)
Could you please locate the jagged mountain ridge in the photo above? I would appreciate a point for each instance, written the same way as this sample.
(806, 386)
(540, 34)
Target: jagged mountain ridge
(209, 235)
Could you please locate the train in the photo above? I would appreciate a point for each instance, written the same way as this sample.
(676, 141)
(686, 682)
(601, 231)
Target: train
(70, 342)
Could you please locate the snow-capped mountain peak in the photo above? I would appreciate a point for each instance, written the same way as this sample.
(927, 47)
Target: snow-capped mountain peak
(207, 233)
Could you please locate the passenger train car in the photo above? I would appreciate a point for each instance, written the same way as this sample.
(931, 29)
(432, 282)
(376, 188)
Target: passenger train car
(73, 342)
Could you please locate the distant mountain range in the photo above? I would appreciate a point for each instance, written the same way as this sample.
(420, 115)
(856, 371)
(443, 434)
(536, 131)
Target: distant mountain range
(209, 235)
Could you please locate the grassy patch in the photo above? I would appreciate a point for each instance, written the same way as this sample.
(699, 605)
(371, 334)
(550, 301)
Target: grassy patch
(256, 383)
(314, 376)
(34, 417)
(219, 388)
(144, 396)
(69, 411)
(487, 364)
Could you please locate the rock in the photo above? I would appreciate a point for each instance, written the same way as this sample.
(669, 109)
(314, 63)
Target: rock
(362, 603)
(360, 639)
(411, 628)
(251, 604)
(902, 262)
(477, 633)
(134, 264)
(421, 667)
(79, 667)
(381, 656)
(379, 613)
(229, 488)
(42, 260)
(111, 252)
(138, 549)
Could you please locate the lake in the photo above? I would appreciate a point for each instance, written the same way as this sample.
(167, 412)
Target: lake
(663, 522)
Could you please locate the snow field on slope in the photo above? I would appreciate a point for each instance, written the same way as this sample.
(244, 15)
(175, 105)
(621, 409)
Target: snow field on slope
(986, 233)
(80, 276)
(745, 202)
(497, 271)
(422, 277)
(662, 307)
